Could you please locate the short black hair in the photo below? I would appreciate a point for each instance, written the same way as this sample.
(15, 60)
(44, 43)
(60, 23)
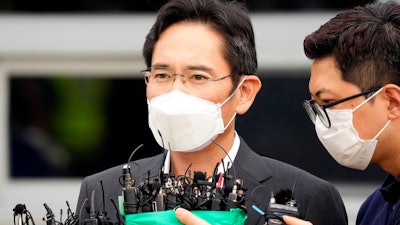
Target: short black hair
(365, 42)
(229, 18)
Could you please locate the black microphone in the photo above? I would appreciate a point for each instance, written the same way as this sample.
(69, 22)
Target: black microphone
(92, 220)
(18, 211)
(72, 219)
(198, 177)
(102, 215)
(49, 218)
(130, 193)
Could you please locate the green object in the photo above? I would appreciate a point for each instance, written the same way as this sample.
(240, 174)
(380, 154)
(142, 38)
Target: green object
(232, 217)
(121, 205)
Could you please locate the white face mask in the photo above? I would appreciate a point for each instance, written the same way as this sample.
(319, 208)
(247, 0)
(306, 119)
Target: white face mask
(341, 140)
(185, 123)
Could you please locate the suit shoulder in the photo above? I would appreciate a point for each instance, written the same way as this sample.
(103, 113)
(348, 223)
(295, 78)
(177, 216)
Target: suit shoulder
(116, 171)
(286, 169)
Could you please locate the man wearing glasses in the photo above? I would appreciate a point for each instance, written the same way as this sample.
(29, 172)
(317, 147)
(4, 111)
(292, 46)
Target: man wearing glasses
(201, 64)
(355, 106)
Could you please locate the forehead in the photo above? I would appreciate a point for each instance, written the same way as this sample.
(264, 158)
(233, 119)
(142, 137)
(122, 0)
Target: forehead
(326, 78)
(189, 44)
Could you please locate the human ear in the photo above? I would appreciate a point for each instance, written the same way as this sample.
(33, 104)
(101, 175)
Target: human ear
(392, 94)
(247, 93)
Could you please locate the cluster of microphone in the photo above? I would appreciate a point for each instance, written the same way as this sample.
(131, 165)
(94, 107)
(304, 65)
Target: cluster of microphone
(167, 192)
(220, 192)
(22, 216)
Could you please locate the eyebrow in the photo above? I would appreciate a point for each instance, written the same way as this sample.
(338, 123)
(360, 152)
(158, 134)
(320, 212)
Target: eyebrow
(321, 91)
(160, 65)
(190, 67)
(200, 67)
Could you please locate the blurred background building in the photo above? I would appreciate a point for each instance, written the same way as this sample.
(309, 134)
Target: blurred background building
(73, 101)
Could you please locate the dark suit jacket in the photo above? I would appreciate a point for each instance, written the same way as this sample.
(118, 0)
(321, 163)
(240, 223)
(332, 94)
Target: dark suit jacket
(318, 200)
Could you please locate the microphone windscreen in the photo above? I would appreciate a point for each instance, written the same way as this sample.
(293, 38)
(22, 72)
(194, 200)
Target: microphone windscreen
(199, 176)
(283, 196)
(19, 209)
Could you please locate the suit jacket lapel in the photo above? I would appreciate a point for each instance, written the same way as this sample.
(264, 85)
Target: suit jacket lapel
(254, 172)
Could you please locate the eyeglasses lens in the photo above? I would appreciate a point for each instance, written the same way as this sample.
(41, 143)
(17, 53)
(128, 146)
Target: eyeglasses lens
(310, 111)
(322, 115)
(314, 110)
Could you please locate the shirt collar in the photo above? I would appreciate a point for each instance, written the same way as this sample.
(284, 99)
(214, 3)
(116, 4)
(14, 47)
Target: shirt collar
(391, 189)
(222, 167)
(230, 158)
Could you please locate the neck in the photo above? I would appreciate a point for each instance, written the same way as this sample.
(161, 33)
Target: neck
(392, 165)
(387, 156)
(204, 160)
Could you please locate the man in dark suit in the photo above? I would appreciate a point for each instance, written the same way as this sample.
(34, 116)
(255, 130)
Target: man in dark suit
(201, 62)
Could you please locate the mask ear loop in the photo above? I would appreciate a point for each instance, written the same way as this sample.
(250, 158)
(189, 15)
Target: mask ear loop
(366, 100)
(230, 96)
(237, 88)
(383, 128)
(230, 121)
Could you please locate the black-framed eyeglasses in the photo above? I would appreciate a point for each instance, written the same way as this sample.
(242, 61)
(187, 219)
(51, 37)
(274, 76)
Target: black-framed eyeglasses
(315, 109)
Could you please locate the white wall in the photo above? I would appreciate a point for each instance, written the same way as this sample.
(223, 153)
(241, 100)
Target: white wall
(98, 44)
(279, 36)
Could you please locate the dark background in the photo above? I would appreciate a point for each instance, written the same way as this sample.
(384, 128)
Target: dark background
(276, 126)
